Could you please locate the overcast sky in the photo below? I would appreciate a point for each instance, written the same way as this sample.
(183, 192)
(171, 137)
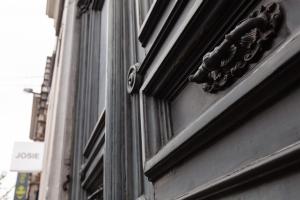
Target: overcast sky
(26, 39)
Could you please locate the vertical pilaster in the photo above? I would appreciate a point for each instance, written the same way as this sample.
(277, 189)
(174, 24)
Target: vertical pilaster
(114, 173)
(123, 176)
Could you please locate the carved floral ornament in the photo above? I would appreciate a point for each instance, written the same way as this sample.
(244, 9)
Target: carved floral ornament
(243, 45)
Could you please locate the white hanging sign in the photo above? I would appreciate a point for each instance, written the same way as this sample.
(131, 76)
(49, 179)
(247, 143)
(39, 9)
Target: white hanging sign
(27, 157)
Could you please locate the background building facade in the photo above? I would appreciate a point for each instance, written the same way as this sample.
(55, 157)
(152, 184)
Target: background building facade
(38, 125)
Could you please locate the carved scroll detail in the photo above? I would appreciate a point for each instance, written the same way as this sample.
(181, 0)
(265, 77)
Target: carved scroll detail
(242, 46)
(134, 79)
(85, 5)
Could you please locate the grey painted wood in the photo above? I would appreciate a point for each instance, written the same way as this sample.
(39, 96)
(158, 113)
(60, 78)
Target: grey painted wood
(165, 74)
(257, 171)
(76, 191)
(91, 102)
(290, 50)
(124, 177)
(165, 70)
(189, 144)
(277, 188)
(267, 130)
(142, 8)
(152, 19)
(114, 171)
(90, 121)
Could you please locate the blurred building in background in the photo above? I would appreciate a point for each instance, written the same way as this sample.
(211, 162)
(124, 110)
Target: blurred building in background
(40, 104)
(38, 124)
(22, 187)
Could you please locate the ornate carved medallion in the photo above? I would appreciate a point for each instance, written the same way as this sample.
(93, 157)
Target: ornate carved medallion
(134, 79)
(242, 46)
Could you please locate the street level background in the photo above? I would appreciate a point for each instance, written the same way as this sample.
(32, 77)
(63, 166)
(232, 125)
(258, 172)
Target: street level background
(26, 39)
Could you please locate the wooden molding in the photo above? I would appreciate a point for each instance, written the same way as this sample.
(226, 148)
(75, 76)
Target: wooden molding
(96, 133)
(279, 71)
(154, 14)
(258, 169)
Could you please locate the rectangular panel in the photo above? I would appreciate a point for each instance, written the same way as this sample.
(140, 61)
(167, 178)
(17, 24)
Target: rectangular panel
(285, 186)
(178, 116)
(270, 129)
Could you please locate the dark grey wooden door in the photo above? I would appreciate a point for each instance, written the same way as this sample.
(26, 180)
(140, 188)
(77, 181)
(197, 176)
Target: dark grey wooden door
(218, 92)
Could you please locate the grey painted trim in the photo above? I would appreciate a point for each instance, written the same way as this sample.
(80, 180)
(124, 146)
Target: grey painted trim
(96, 133)
(98, 146)
(201, 129)
(164, 75)
(123, 175)
(59, 17)
(142, 8)
(167, 49)
(94, 169)
(97, 194)
(116, 104)
(170, 19)
(154, 14)
(89, 133)
(258, 169)
(76, 191)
